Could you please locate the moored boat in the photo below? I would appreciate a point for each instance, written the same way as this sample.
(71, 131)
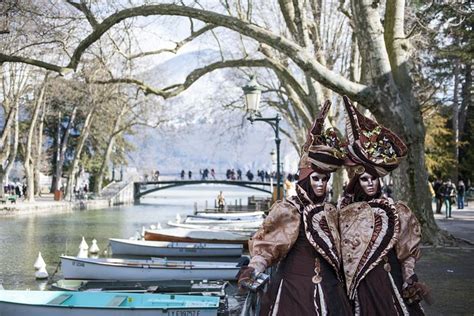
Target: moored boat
(188, 235)
(216, 288)
(252, 222)
(173, 249)
(55, 303)
(247, 230)
(222, 215)
(154, 269)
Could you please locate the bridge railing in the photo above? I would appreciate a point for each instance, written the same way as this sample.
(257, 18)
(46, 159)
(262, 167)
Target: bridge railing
(177, 176)
(143, 188)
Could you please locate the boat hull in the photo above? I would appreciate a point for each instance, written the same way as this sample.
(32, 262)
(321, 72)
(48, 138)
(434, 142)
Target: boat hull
(221, 215)
(215, 288)
(185, 235)
(144, 270)
(52, 303)
(173, 249)
(216, 228)
(252, 221)
(9, 309)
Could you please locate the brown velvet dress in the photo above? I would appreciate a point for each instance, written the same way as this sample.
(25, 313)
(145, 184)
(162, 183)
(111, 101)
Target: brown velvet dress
(379, 245)
(308, 279)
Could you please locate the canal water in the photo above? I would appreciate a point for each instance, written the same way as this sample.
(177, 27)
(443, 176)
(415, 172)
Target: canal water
(23, 236)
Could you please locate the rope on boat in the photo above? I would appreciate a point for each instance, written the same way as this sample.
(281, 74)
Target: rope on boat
(50, 279)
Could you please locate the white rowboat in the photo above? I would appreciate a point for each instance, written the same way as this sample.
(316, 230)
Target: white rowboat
(230, 215)
(194, 235)
(173, 249)
(146, 270)
(238, 222)
(216, 288)
(248, 231)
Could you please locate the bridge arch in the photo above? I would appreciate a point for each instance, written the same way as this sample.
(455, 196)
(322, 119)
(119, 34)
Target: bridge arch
(163, 185)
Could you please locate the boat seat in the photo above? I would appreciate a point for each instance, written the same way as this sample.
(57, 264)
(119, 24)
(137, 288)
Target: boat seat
(59, 299)
(117, 300)
(152, 289)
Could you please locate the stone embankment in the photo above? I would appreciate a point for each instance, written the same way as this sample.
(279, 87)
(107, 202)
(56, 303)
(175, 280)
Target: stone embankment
(114, 194)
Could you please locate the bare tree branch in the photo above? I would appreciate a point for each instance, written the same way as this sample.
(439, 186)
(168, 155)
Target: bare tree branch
(34, 62)
(175, 89)
(305, 61)
(82, 6)
(178, 45)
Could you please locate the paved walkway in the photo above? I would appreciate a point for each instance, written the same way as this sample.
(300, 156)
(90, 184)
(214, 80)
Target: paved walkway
(449, 271)
(46, 203)
(461, 223)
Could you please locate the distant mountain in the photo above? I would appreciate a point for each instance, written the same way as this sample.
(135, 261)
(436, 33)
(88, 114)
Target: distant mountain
(201, 133)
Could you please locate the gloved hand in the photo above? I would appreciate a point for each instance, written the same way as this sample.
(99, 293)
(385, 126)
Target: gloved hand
(245, 275)
(415, 291)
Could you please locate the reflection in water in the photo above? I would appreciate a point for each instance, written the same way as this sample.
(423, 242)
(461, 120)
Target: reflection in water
(42, 285)
(23, 236)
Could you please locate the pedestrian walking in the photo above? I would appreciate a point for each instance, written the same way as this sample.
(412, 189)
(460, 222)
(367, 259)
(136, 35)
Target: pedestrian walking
(438, 194)
(448, 190)
(461, 192)
(182, 174)
(190, 174)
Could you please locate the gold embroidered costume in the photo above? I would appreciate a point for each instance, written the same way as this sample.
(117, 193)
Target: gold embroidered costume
(379, 238)
(300, 237)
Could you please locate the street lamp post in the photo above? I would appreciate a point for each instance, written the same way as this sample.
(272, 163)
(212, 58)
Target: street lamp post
(252, 93)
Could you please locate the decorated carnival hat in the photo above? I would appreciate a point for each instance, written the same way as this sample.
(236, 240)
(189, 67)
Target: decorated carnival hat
(372, 148)
(323, 150)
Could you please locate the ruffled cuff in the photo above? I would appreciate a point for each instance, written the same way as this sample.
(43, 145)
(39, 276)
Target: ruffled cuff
(258, 263)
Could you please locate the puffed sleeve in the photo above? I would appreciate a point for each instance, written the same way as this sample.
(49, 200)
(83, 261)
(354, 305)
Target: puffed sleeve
(408, 246)
(275, 238)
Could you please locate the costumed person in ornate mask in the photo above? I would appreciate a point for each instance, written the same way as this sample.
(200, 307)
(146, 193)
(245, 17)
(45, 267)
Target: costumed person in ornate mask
(379, 238)
(301, 234)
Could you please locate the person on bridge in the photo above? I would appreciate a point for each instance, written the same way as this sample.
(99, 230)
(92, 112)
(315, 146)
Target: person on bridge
(249, 175)
(301, 234)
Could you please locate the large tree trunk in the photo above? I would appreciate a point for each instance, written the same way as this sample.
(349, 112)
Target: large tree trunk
(108, 150)
(9, 114)
(411, 178)
(103, 166)
(466, 95)
(61, 150)
(39, 151)
(457, 77)
(77, 153)
(29, 161)
(13, 142)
